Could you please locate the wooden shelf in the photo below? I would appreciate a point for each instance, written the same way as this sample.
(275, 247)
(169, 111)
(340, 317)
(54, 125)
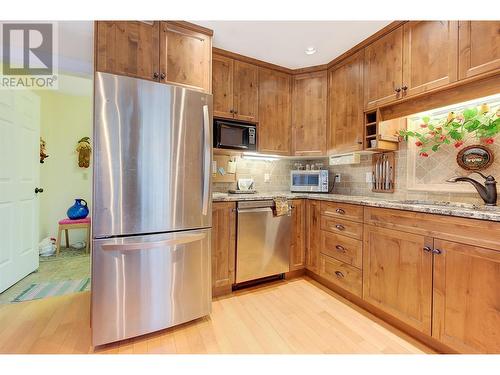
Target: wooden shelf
(380, 131)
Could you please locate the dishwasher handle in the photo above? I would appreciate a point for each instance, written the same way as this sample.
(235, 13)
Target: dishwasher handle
(250, 210)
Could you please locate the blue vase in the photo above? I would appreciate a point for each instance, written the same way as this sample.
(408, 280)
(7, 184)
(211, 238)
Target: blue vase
(79, 210)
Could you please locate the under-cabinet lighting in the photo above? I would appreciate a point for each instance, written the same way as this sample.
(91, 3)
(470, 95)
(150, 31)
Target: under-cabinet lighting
(255, 156)
(310, 51)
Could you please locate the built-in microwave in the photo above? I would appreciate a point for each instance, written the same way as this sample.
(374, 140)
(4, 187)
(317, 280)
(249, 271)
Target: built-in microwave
(235, 135)
(309, 180)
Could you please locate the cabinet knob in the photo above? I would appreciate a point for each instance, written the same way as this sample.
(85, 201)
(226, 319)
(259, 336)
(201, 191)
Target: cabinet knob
(231, 111)
(163, 75)
(38, 190)
(339, 226)
(404, 88)
(155, 75)
(397, 89)
(436, 251)
(339, 274)
(340, 211)
(340, 248)
(427, 249)
(235, 111)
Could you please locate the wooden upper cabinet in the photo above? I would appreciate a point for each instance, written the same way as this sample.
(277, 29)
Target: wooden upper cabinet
(479, 47)
(430, 55)
(222, 86)
(313, 235)
(129, 48)
(466, 304)
(383, 69)
(345, 99)
(298, 243)
(274, 126)
(223, 244)
(309, 98)
(245, 91)
(235, 86)
(397, 275)
(185, 56)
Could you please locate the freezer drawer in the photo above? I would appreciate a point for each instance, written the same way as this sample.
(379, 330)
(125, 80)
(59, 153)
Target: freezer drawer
(142, 284)
(263, 243)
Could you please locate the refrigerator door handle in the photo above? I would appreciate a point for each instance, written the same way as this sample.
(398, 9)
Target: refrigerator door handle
(179, 240)
(206, 159)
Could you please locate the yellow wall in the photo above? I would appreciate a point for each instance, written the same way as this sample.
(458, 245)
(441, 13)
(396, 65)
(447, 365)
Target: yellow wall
(65, 119)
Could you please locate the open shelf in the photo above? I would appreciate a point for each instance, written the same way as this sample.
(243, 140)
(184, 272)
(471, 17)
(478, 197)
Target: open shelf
(380, 136)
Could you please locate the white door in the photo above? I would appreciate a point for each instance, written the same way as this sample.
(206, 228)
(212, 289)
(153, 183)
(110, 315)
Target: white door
(19, 175)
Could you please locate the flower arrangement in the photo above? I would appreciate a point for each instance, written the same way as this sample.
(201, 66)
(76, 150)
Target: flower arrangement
(472, 123)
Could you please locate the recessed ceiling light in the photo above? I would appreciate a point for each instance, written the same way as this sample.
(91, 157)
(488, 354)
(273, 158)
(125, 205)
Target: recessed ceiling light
(310, 50)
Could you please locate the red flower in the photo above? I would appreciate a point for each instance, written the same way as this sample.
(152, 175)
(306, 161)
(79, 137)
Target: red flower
(432, 133)
(458, 144)
(489, 141)
(423, 125)
(424, 154)
(418, 143)
(442, 138)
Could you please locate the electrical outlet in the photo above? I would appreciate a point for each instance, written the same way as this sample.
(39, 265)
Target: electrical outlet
(337, 177)
(267, 177)
(369, 176)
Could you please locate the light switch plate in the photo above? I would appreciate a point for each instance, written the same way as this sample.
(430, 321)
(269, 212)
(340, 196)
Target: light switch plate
(337, 177)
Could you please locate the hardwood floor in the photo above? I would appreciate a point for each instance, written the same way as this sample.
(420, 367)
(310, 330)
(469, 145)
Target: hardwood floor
(295, 316)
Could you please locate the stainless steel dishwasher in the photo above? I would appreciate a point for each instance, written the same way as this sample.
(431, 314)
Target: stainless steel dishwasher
(263, 241)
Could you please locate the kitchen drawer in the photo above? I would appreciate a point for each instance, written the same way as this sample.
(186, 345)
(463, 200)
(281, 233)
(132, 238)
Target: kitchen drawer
(341, 226)
(343, 210)
(345, 249)
(341, 274)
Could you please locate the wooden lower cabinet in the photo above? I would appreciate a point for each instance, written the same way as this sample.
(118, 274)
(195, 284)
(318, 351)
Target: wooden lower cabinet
(298, 243)
(313, 235)
(341, 274)
(223, 245)
(397, 275)
(466, 297)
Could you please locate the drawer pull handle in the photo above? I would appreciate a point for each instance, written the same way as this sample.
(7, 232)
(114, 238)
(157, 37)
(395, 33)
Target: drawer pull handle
(340, 211)
(339, 226)
(339, 274)
(436, 251)
(427, 249)
(340, 248)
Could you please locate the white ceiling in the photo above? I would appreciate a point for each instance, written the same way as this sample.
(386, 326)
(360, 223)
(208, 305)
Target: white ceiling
(284, 42)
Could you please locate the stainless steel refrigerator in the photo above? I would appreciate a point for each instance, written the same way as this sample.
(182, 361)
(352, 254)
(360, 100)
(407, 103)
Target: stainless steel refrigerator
(151, 216)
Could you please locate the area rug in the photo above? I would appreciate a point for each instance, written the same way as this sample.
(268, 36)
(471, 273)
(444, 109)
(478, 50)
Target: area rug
(55, 288)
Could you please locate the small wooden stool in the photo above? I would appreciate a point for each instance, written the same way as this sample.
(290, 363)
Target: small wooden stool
(66, 225)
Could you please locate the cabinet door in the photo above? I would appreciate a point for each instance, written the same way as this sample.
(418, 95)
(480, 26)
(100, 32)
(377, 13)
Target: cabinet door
(430, 55)
(466, 304)
(313, 235)
(223, 243)
(309, 94)
(345, 98)
(479, 47)
(246, 91)
(397, 275)
(298, 244)
(274, 126)
(222, 86)
(129, 48)
(185, 57)
(383, 69)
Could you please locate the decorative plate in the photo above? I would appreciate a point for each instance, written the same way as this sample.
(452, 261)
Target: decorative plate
(474, 158)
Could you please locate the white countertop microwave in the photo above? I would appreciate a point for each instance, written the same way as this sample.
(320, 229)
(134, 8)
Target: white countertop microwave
(314, 181)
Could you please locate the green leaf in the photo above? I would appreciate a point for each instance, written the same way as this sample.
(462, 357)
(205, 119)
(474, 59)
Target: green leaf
(435, 148)
(472, 125)
(430, 127)
(426, 119)
(469, 113)
(457, 136)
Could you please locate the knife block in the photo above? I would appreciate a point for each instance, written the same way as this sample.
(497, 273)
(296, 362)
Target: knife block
(383, 172)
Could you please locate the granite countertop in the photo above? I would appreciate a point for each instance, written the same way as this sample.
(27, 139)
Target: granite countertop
(440, 208)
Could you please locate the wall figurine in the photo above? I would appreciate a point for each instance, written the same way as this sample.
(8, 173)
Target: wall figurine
(84, 150)
(43, 150)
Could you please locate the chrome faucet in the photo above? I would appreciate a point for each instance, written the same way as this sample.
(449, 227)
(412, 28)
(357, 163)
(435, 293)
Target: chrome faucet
(488, 191)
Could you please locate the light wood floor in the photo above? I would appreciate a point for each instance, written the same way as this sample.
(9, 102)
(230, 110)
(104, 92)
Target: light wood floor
(296, 316)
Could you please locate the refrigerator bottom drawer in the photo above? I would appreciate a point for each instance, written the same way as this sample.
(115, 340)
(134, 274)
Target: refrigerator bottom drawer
(142, 284)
